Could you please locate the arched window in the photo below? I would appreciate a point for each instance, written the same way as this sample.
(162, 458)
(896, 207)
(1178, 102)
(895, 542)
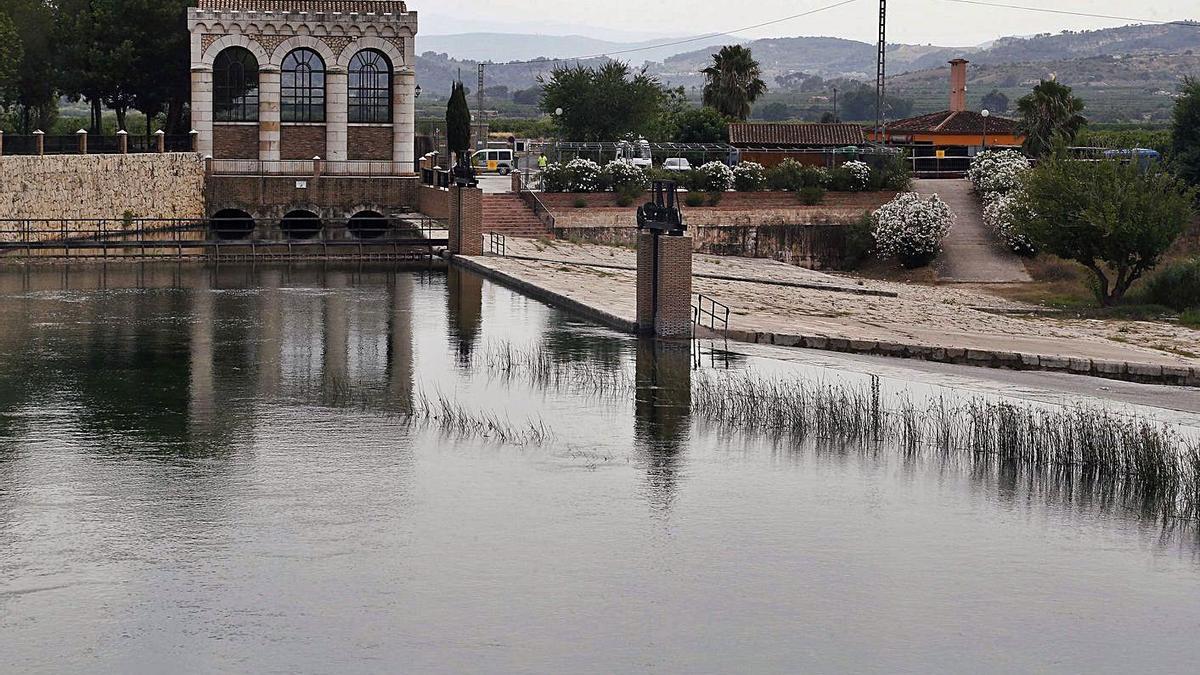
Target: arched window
(303, 87)
(235, 86)
(370, 87)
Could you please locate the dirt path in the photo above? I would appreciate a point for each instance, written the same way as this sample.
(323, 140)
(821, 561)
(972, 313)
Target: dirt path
(971, 253)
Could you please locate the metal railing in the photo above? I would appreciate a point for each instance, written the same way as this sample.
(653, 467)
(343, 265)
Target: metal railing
(707, 308)
(26, 144)
(497, 245)
(149, 237)
(535, 204)
(310, 168)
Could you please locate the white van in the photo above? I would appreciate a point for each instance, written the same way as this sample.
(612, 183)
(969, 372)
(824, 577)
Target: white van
(494, 159)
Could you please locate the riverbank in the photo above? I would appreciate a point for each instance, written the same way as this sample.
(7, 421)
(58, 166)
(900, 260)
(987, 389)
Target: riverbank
(784, 305)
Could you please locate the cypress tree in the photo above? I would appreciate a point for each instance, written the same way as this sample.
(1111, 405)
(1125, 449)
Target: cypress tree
(458, 123)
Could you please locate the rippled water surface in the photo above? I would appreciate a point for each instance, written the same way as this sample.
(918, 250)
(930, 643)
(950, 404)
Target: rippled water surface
(206, 470)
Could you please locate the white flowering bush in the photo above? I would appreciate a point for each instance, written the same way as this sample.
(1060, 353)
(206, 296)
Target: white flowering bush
(554, 178)
(858, 175)
(1001, 212)
(623, 176)
(997, 170)
(716, 177)
(911, 229)
(749, 177)
(584, 175)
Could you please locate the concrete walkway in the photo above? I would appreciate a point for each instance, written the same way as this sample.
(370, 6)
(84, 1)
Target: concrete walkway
(971, 253)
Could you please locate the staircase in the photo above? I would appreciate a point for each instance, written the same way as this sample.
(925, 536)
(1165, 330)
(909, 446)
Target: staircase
(508, 215)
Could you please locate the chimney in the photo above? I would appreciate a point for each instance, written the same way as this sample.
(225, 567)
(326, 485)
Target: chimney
(958, 85)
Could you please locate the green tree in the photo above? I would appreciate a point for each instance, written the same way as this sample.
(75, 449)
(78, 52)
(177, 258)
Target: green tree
(995, 101)
(701, 125)
(1051, 115)
(733, 82)
(1185, 132)
(605, 103)
(1113, 218)
(458, 123)
(11, 55)
(859, 105)
(35, 100)
(776, 112)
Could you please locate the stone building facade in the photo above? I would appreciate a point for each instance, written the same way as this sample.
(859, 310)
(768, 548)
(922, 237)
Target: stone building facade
(296, 79)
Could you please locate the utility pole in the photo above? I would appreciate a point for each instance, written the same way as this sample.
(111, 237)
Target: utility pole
(479, 107)
(835, 117)
(880, 71)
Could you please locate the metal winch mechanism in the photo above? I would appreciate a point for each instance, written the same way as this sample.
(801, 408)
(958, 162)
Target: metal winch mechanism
(662, 216)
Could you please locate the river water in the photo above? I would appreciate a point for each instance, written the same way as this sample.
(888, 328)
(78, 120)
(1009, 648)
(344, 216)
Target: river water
(222, 470)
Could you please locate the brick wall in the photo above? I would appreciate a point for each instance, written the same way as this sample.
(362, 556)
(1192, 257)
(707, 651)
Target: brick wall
(302, 141)
(466, 221)
(333, 197)
(730, 201)
(373, 142)
(673, 318)
(235, 141)
(433, 202)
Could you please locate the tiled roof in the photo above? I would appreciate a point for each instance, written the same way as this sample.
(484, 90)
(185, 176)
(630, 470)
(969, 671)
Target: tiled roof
(311, 6)
(800, 135)
(951, 122)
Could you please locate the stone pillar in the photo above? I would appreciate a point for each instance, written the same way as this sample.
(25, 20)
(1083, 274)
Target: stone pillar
(160, 141)
(664, 309)
(39, 142)
(404, 119)
(466, 221)
(268, 113)
(82, 136)
(122, 142)
(337, 114)
(202, 108)
(1, 142)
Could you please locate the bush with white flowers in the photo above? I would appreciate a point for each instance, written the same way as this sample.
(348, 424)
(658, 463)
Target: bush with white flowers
(625, 176)
(997, 170)
(1001, 212)
(716, 177)
(859, 174)
(584, 175)
(555, 178)
(749, 177)
(912, 229)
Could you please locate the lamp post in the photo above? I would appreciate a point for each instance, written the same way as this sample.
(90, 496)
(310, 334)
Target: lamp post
(558, 113)
(985, 115)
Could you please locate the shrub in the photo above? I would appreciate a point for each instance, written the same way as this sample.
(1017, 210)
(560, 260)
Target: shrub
(1177, 286)
(580, 203)
(1000, 212)
(622, 176)
(997, 170)
(911, 229)
(852, 176)
(555, 178)
(625, 199)
(749, 177)
(812, 195)
(694, 199)
(894, 173)
(860, 241)
(714, 198)
(715, 177)
(584, 175)
(1191, 318)
(787, 175)
(814, 176)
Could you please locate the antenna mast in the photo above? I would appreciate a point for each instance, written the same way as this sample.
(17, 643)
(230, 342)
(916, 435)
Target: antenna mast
(880, 71)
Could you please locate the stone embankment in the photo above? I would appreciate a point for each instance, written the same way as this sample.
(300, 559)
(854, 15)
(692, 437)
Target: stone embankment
(72, 187)
(775, 303)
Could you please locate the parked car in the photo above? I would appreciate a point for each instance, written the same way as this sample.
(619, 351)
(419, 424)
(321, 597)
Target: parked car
(494, 159)
(679, 164)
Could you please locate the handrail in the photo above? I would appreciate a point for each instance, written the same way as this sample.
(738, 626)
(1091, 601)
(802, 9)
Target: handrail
(534, 202)
(497, 245)
(714, 311)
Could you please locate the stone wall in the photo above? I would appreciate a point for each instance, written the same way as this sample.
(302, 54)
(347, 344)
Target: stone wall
(102, 186)
(331, 197)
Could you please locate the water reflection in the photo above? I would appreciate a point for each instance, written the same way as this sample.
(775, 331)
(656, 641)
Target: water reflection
(464, 302)
(662, 414)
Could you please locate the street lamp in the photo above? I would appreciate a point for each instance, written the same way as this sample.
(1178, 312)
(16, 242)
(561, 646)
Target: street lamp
(985, 114)
(417, 91)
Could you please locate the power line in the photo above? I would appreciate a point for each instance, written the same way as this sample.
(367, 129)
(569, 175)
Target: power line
(684, 41)
(1046, 10)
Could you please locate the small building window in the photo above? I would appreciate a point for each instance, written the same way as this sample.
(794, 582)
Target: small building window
(302, 87)
(370, 88)
(235, 86)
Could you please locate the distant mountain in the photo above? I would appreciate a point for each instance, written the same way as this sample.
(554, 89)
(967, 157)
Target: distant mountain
(505, 47)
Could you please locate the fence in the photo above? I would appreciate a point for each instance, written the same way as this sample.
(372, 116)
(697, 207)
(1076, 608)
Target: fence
(93, 144)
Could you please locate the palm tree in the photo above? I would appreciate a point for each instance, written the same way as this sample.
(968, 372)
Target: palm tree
(733, 82)
(1049, 116)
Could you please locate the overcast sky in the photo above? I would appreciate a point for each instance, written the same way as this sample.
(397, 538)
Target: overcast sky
(911, 21)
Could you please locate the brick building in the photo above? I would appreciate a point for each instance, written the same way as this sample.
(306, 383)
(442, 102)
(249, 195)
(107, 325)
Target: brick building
(296, 79)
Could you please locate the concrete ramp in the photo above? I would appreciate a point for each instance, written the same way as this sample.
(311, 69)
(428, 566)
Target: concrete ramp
(971, 253)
